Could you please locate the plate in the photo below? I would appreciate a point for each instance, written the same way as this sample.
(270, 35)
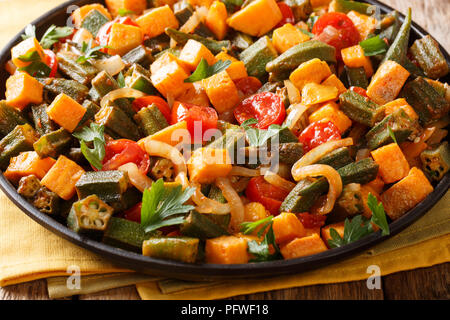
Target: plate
(179, 270)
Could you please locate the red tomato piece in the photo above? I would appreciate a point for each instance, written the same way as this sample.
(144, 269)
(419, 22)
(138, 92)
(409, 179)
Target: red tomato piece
(359, 91)
(134, 213)
(51, 61)
(337, 30)
(317, 133)
(270, 196)
(288, 16)
(103, 34)
(199, 119)
(311, 220)
(248, 85)
(162, 105)
(122, 151)
(266, 107)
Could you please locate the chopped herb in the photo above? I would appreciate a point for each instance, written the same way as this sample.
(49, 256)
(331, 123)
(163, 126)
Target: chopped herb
(378, 214)
(249, 227)
(89, 52)
(392, 134)
(124, 12)
(204, 70)
(163, 207)
(37, 68)
(53, 35)
(373, 46)
(94, 134)
(30, 32)
(257, 137)
(121, 80)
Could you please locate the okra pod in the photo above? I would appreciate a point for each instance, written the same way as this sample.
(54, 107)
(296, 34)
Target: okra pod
(42, 122)
(137, 77)
(28, 186)
(20, 139)
(198, 226)
(428, 55)
(10, 117)
(399, 47)
(257, 56)
(150, 120)
(72, 88)
(114, 119)
(436, 162)
(125, 234)
(183, 249)
(360, 109)
(213, 45)
(83, 73)
(93, 21)
(140, 55)
(356, 77)
(53, 144)
(46, 201)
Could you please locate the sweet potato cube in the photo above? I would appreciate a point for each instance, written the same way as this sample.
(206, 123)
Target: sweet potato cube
(62, 177)
(287, 36)
(311, 231)
(312, 71)
(387, 82)
(23, 48)
(170, 79)
(365, 191)
(79, 14)
(406, 194)
(216, 20)
(333, 81)
(257, 18)
(223, 55)
(137, 6)
(313, 93)
(172, 135)
(363, 23)
(401, 103)
(156, 20)
(193, 52)
(237, 70)
(165, 59)
(226, 250)
(66, 112)
(27, 163)
(22, 89)
(221, 91)
(339, 227)
(330, 111)
(392, 162)
(207, 164)
(377, 184)
(287, 227)
(123, 38)
(354, 57)
(194, 94)
(302, 247)
(200, 3)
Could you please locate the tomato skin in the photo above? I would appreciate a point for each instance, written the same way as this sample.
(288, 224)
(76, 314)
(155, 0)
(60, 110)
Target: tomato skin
(51, 61)
(311, 220)
(162, 105)
(270, 196)
(266, 107)
(347, 34)
(103, 34)
(288, 16)
(317, 133)
(359, 91)
(248, 85)
(134, 213)
(122, 151)
(191, 113)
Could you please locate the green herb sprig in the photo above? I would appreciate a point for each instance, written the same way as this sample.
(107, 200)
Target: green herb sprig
(94, 134)
(374, 46)
(257, 137)
(50, 37)
(90, 52)
(204, 70)
(36, 67)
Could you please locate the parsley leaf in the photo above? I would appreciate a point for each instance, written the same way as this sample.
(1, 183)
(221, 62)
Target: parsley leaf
(53, 34)
(123, 12)
(392, 134)
(89, 52)
(373, 46)
(36, 68)
(249, 227)
(164, 207)
(378, 214)
(121, 80)
(257, 137)
(204, 70)
(94, 134)
(30, 32)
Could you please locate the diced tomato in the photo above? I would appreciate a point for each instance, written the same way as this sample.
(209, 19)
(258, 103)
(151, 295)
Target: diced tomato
(317, 133)
(199, 119)
(175, 233)
(288, 16)
(337, 30)
(266, 107)
(359, 91)
(103, 34)
(270, 196)
(311, 220)
(122, 151)
(146, 101)
(51, 61)
(133, 214)
(248, 85)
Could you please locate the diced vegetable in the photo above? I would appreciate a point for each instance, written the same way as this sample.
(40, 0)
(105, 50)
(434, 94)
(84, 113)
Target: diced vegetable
(313, 93)
(360, 109)
(28, 163)
(183, 249)
(62, 177)
(256, 56)
(400, 103)
(93, 21)
(354, 57)
(79, 14)
(66, 112)
(363, 23)
(216, 19)
(135, 6)
(10, 118)
(22, 89)
(257, 18)
(207, 164)
(302, 247)
(107, 185)
(53, 144)
(226, 250)
(20, 139)
(325, 232)
(170, 79)
(436, 162)
(333, 81)
(350, 202)
(214, 45)
(300, 8)
(123, 38)
(406, 194)
(429, 57)
(72, 88)
(287, 36)
(193, 51)
(287, 227)
(156, 20)
(312, 71)
(24, 49)
(198, 226)
(167, 135)
(221, 91)
(392, 162)
(331, 112)
(28, 186)
(46, 201)
(356, 77)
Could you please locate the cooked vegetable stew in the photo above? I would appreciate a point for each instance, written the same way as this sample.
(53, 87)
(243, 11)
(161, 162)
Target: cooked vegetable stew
(226, 131)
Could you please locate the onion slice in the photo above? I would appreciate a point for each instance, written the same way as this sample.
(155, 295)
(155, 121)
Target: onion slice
(139, 180)
(120, 93)
(277, 181)
(292, 92)
(207, 205)
(112, 65)
(334, 182)
(318, 152)
(236, 205)
(164, 150)
(244, 172)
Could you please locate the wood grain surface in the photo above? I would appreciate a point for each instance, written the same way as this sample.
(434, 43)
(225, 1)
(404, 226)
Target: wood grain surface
(426, 283)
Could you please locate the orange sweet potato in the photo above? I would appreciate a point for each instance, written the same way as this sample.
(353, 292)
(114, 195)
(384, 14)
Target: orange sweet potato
(27, 163)
(330, 111)
(193, 52)
(287, 227)
(302, 247)
(216, 20)
(354, 57)
(137, 6)
(222, 91)
(226, 250)
(156, 20)
(339, 227)
(79, 14)
(66, 112)
(207, 164)
(22, 89)
(392, 162)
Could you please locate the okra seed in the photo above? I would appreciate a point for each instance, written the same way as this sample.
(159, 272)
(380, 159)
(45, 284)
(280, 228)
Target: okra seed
(99, 222)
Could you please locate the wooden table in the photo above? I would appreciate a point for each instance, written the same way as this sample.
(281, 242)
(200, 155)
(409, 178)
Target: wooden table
(427, 283)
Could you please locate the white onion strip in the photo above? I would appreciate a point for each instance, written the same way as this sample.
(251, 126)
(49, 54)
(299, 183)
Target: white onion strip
(278, 181)
(236, 205)
(244, 172)
(137, 178)
(112, 65)
(120, 93)
(334, 182)
(207, 205)
(164, 150)
(318, 152)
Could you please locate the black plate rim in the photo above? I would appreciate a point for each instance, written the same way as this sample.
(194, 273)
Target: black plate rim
(186, 271)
